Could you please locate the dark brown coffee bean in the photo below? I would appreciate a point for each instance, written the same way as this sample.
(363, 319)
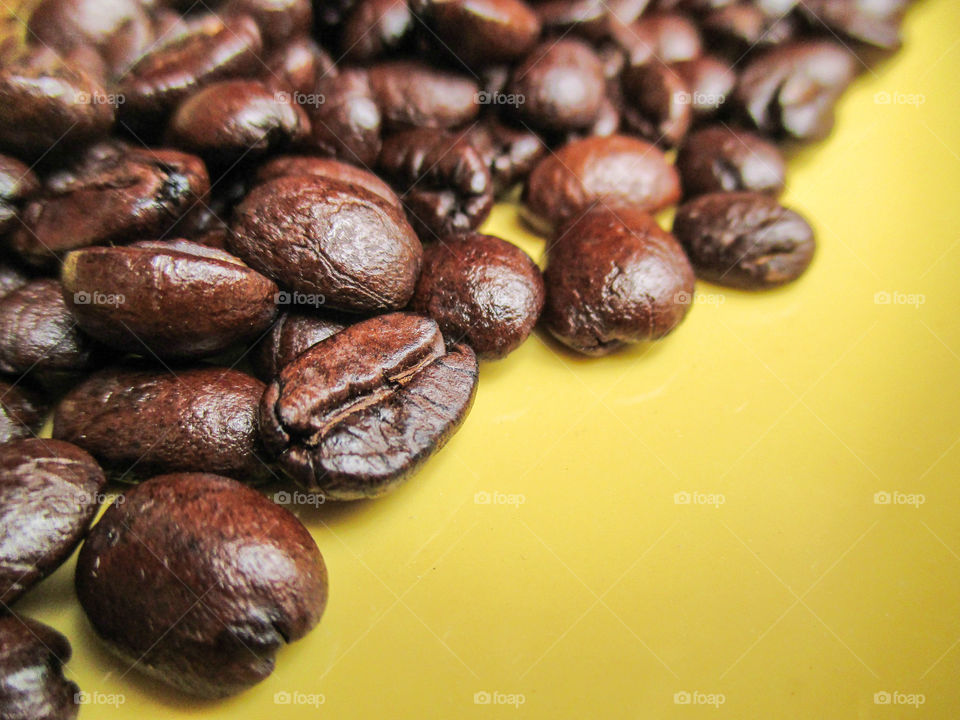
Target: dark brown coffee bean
(139, 423)
(345, 118)
(710, 82)
(297, 65)
(721, 159)
(214, 49)
(330, 239)
(375, 28)
(198, 580)
(790, 91)
(413, 94)
(17, 184)
(484, 32)
(481, 290)
(293, 333)
(593, 19)
(172, 299)
(39, 337)
(21, 413)
(237, 118)
(443, 180)
(287, 165)
(656, 103)
(114, 194)
(360, 411)
(559, 86)
(279, 20)
(49, 491)
(659, 38)
(612, 278)
(744, 240)
(613, 171)
(32, 685)
(875, 24)
(510, 153)
(738, 29)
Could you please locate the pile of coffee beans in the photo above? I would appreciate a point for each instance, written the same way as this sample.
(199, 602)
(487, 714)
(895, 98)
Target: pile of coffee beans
(242, 242)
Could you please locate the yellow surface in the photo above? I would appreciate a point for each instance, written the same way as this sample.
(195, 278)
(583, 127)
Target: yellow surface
(600, 596)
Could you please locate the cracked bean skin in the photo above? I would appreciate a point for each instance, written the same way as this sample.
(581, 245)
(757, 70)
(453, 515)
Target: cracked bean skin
(32, 685)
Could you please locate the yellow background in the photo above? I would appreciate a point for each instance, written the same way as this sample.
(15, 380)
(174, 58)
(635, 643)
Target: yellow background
(600, 596)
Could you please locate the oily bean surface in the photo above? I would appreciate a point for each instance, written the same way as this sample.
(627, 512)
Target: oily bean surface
(293, 333)
(720, 159)
(33, 686)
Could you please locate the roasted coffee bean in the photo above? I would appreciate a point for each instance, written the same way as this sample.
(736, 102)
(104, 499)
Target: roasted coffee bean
(375, 28)
(172, 299)
(744, 240)
(875, 24)
(484, 32)
(442, 178)
(333, 240)
(278, 20)
(32, 685)
(21, 413)
(141, 422)
(297, 65)
(659, 38)
(293, 333)
(11, 278)
(559, 86)
(360, 411)
(721, 159)
(790, 91)
(198, 580)
(17, 184)
(710, 82)
(613, 171)
(656, 103)
(286, 165)
(413, 94)
(481, 290)
(49, 494)
(738, 29)
(345, 118)
(45, 103)
(614, 278)
(214, 49)
(510, 153)
(113, 194)
(236, 118)
(39, 337)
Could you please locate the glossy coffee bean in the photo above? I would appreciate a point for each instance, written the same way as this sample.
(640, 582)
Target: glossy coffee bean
(659, 38)
(39, 337)
(278, 20)
(114, 193)
(790, 91)
(481, 290)
(592, 19)
(721, 159)
(330, 239)
(509, 152)
(375, 28)
(294, 332)
(11, 278)
(345, 118)
(21, 413)
(321, 167)
(362, 410)
(874, 24)
(17, 184)
(237, 118)
(656, 102)
(559, 86)
(413, 94)
(297, 65)
(32, 685)
(49, 494)
(612, 171)
(171, 299)
(199, 580)
(614, 278)
(141, 422)
(710, 82)
(484, 32)
(741, 28)
(745, 240)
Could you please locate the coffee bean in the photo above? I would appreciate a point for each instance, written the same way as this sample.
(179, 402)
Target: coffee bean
(481, 290)
(875, 24)
(198, 580)
(612, 278)
(236, 118)
(790, 91)
(21, 413)
(740, 29)
(49, 492)
(613, 171)
(346, 119)
(31, 664)
(360, 411)
(293, 333)
(484, 32)
(287, 165)
(114, 193)
(11, 278)
(510, 153)
(710, 82)
(657, 104)
(278, 20)
(39, 337)
(719, 158)
(443, 180)
(375, 28)
(744, 240)
(333, 240)
(17, 184)
(592, 19)
(659, 38)
(297, 65)
(171, 299)
(412, 94)
(141, 422)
